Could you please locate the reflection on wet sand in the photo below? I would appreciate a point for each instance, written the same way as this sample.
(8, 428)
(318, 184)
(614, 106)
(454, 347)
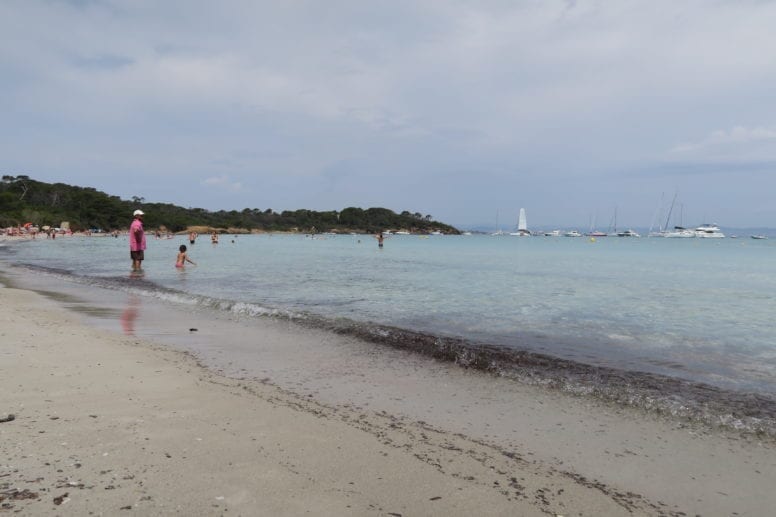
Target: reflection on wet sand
(129, 315)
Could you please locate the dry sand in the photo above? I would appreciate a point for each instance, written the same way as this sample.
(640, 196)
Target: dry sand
(108, 424)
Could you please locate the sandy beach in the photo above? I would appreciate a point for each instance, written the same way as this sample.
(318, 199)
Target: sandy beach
(105, 423)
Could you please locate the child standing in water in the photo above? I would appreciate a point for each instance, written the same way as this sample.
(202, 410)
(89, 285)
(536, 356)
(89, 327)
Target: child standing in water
(183, 257)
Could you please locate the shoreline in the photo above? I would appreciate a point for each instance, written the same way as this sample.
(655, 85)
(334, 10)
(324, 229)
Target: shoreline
(684, 400)
(509, 448)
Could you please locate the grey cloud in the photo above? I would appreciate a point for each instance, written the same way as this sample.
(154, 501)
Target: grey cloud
(103, 62)
(296, 99)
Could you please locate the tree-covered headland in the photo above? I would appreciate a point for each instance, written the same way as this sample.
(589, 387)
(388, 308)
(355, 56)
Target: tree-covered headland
(25, 200)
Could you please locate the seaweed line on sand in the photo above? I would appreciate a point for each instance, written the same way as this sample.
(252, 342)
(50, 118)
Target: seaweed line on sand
(746, 413)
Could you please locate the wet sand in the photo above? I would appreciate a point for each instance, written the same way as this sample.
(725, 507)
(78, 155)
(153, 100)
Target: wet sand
(288, 421)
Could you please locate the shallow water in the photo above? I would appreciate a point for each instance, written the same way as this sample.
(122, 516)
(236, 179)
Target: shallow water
(690, 308)
(653, 322)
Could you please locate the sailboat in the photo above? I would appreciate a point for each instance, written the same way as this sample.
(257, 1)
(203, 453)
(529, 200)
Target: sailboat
(658, 217)
(522, 226)
(498, 232)
(595, 233)
(678, 232)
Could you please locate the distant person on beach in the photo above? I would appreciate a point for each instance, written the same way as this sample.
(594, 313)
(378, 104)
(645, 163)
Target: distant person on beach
(214, 238)
(380, 238)
(137, 241)
(192, 237)
(183, 257)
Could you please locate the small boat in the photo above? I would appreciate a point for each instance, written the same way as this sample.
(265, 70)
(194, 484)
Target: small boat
(572, 233)
(758, 237)
(628, 233)
(553, 233)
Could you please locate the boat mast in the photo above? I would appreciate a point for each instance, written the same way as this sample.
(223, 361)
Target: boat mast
(614, 220)
(658, 216)
(670, 210)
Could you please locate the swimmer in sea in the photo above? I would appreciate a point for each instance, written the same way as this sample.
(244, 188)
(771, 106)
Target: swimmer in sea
(380, 238)
(183, 257)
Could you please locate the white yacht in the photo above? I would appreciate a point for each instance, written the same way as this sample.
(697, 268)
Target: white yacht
(628, 233)
(709, 231)
(572, 233)
(553, 233)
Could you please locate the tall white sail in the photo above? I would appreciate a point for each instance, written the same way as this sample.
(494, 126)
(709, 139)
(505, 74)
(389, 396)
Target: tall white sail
(522, 225)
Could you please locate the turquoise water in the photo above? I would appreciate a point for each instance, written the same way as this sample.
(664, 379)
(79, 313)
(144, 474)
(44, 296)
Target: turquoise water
(692, 309)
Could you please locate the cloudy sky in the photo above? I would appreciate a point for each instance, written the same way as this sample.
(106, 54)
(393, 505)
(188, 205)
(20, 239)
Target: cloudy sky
(458, 109)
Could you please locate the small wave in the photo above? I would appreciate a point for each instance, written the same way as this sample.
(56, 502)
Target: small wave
(256, 310)
(143, 287)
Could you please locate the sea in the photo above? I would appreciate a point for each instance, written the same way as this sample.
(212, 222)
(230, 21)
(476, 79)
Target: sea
(679, 326)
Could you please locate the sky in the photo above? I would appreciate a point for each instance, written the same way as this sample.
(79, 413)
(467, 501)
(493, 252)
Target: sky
(463, 110)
